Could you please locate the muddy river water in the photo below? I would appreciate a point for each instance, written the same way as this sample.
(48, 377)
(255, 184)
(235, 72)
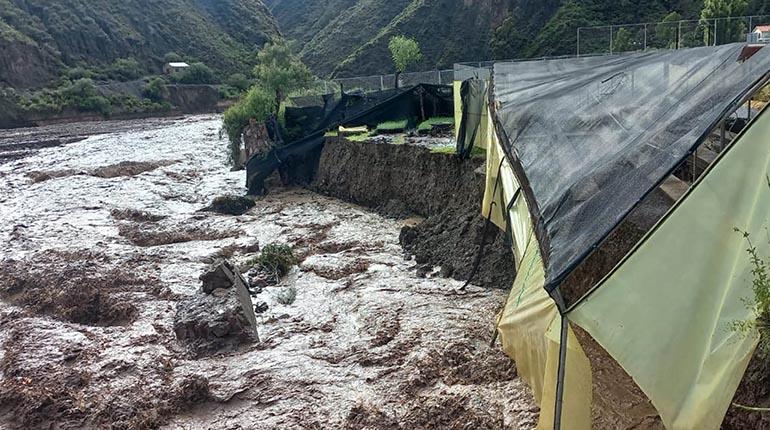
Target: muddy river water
(86, 319)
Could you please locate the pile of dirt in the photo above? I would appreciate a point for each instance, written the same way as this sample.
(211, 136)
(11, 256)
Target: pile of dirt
(122, 169)
(146, 234)
(754, 392)
(82, 287)
(403, 180)
(230, 205)
(135, 215)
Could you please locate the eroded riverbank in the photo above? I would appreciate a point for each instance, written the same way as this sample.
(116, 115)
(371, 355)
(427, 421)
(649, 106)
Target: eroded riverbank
(366, 344)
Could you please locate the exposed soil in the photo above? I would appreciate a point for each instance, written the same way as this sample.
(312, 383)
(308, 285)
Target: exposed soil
(365, 343)
(402, 180)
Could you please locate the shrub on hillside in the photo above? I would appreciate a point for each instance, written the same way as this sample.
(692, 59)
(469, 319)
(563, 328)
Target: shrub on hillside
(197, 73)
(125, 69)
(156, 90)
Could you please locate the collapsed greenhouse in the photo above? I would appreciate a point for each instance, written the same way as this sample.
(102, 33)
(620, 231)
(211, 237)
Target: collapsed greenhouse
(575, 147)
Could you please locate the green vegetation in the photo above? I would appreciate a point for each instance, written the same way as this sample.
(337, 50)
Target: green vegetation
(392, 126)
(622, 41)
(257, 105)
(726, 30)
(276, 259)
(156, 90)
(476, 152)
(428, 124)
(360, 137)
(280, 71)
(82, 95)
(121, 38)
(760, 303)
(197, 74)
(404, 51)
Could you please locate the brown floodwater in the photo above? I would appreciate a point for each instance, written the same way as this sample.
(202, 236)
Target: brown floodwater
(367, 343)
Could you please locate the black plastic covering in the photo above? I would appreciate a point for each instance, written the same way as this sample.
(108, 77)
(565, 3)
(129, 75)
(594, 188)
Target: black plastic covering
(307, 125)
(473, 93)
(589, 138)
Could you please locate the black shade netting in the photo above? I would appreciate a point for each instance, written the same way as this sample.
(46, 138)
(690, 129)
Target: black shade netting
(308, 124)
(591, 137)
(473, 92)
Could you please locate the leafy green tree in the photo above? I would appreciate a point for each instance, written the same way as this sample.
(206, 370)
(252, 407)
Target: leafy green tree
(281, 72)
(156, 90)
(727, 30)
(197, 73)
(667, 32)
(404, 51)
(622, 41)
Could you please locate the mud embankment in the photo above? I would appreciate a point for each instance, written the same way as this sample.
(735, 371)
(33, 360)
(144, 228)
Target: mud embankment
(405, 180)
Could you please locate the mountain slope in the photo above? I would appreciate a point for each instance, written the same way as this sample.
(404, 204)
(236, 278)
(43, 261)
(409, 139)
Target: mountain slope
(39, 38)
(349, 37)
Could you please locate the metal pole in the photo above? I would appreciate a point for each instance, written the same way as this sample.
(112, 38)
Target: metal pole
(578, 42)
(382, 83)
(645, 37)
(716, 20)
(610, 40)
(679, 36)
(751, 23)
(559, 406)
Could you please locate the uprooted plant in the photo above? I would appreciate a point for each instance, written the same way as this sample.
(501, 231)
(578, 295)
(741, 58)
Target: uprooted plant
(275, 259)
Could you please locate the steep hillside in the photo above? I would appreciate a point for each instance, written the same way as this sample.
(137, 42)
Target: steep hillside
(39, 38)
(349, 37)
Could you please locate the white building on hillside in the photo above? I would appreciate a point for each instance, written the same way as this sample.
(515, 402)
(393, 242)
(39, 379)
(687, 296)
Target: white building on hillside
(174, 68)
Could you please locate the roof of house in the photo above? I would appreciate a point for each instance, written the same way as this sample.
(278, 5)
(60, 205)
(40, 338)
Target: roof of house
(763, 28)
(178, 64)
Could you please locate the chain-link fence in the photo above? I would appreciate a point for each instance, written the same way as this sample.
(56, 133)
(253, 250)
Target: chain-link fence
(379, 82)
(612, 39)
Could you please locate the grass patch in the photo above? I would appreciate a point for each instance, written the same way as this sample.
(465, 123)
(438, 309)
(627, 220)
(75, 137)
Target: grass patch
(478, 153)
(276, 259)
(392, 126)
(361, 137)
(428, 124)
(331, 133)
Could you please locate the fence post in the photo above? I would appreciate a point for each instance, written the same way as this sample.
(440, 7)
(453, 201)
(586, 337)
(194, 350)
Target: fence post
(578, 42)
(679, 36)
(610, 40)
(439, 76)
(751, 23)
(716, 20)
(382, 83)
(645, 37)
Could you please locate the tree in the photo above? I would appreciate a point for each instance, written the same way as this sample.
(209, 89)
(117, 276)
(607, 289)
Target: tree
(727, 30)
(156, 90)
(280, 72)
(622, 41)
(667, 32)
(198, 73)
(404, 51)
